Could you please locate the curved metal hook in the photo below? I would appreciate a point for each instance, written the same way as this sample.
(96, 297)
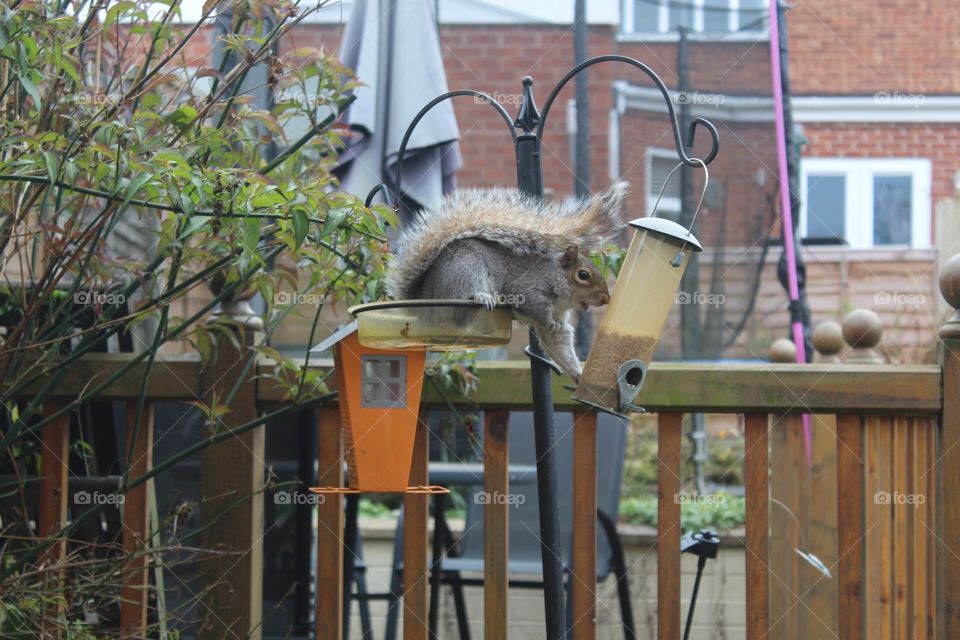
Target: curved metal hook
(380, 188)
(423, 112)
(674, 124)
(703, 193)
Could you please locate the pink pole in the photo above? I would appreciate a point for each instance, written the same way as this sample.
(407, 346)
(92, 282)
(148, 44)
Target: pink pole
(786, 212)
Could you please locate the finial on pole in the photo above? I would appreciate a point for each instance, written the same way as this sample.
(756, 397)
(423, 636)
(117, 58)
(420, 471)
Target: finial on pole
(862, 330)
(950, 289)
(828, 341)
(529, 116)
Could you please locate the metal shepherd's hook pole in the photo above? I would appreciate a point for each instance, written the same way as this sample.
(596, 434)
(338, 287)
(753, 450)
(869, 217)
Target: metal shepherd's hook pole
(530, 182)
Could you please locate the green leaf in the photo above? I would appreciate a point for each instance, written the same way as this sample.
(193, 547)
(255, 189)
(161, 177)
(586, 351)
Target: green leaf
(53, 165)
(251, 235)
(137, 183)
(301, 224)
(30, 88)
(332, 222)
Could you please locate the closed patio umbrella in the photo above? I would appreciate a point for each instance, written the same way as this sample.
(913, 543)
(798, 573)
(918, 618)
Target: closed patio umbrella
(394, 49)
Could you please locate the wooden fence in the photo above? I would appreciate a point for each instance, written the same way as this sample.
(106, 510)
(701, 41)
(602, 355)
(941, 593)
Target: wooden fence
(896, 434)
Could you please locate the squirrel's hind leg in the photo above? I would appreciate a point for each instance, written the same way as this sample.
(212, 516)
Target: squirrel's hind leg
(556, 336)
(558, 343)
(459, 273)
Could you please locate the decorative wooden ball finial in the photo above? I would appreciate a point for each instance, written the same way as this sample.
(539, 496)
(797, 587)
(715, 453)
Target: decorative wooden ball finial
(828, 341)
(862, 330)
(783, 351)
(950, 289)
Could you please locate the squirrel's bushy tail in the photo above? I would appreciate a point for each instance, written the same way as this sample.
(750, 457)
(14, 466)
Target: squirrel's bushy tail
(508, 218)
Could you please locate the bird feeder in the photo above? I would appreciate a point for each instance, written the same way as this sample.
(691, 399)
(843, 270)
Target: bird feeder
(616, 367)
(379, 363)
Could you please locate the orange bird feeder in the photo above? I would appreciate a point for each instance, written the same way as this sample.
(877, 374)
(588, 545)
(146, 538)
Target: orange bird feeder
(379, 363)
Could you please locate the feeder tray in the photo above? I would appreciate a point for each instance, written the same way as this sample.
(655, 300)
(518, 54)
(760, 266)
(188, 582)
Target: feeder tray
(430, 489)
(433, 325)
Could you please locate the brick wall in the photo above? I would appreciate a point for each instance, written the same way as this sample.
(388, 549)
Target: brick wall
(868, 46)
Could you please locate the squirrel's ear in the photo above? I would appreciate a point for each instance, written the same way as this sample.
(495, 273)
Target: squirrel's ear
(570, 256)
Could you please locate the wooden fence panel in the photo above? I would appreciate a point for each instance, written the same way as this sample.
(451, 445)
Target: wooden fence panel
(670, 438)
(329, 586)
(850, 525)
(757, 487)
(136, 523)
(496, 524)
(416, 541)
(583, 579)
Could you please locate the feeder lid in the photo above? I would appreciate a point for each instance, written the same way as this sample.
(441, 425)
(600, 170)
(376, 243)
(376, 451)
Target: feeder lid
(668, 228)
(342, 332)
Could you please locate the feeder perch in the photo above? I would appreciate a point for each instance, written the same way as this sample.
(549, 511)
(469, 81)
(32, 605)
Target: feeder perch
(379, 363)
(616, 367)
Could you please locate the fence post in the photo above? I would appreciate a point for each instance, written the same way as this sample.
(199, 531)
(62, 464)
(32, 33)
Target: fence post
(823, 595)
(232, 484)
(789, 519)
(55, 467)
(948, 466)
(863, 330)
(136, 523)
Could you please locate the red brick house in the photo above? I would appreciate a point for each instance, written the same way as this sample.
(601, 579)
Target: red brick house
(876, 91)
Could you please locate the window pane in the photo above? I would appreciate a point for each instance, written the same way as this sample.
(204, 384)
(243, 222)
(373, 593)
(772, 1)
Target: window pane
(826, 196)
(394, 368)
(680, 16)
(716, 15)
(394, 392)
(660, 168)
(753, 14)
(646, 16)
(891, 209)
(370, 395)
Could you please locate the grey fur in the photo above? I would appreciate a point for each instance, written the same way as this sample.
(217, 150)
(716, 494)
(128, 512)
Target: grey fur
(496, 245)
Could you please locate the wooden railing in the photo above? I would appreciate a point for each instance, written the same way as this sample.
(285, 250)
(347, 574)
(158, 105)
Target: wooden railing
(897, 431)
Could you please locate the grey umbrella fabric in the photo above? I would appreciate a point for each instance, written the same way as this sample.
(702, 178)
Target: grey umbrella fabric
(394, 49)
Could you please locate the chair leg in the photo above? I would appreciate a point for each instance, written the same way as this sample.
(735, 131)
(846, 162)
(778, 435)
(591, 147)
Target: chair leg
(351, 537)
(460, 605)
(620, 573)
(396, 583)
(365, 626)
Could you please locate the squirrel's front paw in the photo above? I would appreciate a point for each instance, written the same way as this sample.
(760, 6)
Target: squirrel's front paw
(486, 299)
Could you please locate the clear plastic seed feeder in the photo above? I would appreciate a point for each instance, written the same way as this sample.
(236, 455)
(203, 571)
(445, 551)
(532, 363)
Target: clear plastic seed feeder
(645, 291)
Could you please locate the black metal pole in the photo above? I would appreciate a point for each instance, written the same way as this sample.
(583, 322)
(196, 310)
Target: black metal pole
(800, 310)
(691, 333)
(530, 182)
(581, 163)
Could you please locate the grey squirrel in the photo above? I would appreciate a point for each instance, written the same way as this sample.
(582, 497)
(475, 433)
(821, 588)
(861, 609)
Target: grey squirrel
(490, 245)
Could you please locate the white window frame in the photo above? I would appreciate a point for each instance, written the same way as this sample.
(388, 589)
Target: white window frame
(628, 21)
(858, 205)
(667, 204)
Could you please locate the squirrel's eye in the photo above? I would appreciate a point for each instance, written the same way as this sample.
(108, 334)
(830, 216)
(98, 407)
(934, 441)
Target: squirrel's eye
(583, 274)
